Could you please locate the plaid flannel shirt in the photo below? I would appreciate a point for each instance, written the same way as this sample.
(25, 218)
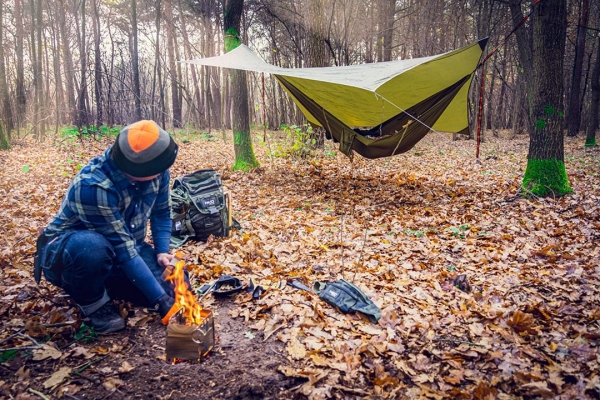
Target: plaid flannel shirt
(101, 198)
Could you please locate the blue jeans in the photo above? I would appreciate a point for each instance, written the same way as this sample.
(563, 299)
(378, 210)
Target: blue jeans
(83, 264)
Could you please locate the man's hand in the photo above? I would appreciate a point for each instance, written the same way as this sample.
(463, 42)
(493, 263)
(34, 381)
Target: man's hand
(164, 259)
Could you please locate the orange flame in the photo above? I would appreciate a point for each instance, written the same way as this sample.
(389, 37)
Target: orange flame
(184, 297)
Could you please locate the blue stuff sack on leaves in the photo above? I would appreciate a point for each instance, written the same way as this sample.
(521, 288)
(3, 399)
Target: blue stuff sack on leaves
(347, 298)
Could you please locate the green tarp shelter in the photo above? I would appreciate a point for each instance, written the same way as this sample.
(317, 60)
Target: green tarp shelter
(378, 109)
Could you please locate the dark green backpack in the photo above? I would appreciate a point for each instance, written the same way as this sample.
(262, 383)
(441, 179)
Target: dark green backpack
(200, 207)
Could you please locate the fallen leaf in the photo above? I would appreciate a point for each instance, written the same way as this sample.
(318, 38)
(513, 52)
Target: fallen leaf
(520, 321)
(125, 367)
(537, 389)
(296, 349)
(112, 383)
(57, 378)
(45, 352)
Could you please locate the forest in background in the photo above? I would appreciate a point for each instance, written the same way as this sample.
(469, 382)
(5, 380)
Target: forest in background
(92, 63)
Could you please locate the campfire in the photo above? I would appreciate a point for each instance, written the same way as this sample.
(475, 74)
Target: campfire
(190, 331)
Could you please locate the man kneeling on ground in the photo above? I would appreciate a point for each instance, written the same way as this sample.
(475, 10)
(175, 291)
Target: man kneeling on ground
(94, 248)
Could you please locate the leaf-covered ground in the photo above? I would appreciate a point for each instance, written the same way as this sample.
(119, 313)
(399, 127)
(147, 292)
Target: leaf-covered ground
(483, 294)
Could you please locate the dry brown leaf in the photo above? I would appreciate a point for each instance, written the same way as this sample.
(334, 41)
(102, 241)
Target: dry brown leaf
(57, 377)
(521, 322)
(484, 392)
(537, 389)
(296, 349)
(125, 367)
(45, 352)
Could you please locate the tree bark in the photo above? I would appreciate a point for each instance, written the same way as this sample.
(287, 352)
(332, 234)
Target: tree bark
(20, 83)
(387, 31)
(6, 115)
(4, 143)
(36, 83)
(82, 120)
(525, 51)
(590, 140)
(68, 62)
(97, 65)
(242, 140)
(135, 63)
(545, 174)
(574, 112)
(171, 43)
(316, 56)
(40, 91)
(197, 102)
(157, 65)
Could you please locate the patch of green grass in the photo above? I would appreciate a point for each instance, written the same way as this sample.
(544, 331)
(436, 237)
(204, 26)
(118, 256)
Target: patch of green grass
(86, 334)
(8, 355)
(459, 231)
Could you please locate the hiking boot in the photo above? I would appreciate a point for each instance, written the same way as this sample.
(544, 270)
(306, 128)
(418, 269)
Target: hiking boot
(106, 319)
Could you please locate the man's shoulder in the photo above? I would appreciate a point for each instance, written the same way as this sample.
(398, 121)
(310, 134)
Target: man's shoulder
(97, 172)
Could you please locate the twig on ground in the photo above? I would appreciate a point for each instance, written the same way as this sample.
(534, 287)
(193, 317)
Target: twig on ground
(42, 395)
(11, 336)
(20, 348)
(455, 341)
(85, 366)
(31, 339)
(341, 245)
(94, 381)
(58, 324)
(362, 254)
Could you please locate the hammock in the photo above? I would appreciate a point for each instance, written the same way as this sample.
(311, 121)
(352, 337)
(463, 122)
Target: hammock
(379, 109)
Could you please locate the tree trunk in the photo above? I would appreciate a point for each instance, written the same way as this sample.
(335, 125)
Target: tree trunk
(59, 106)
(68, 62)
(387, 34)
(524, 47)
(20, 84)
(242, 140)
(153, 107)
(134, 63)
(6, 114)
(82, 120)
(574, 114)
(545, 174)
(97, 65)
(172, 66)
(40, 92)
(196, 100)
(316, 51)
(109, 92)
(590, 140)
(4, 143)
(36, 83)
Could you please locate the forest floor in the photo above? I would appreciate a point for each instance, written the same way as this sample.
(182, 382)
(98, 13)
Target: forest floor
(483, 294)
